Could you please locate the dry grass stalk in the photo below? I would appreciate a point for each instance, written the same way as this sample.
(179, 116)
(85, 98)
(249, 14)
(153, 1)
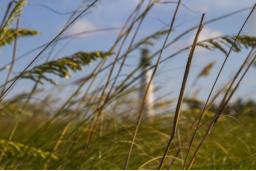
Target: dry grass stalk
(65, 129)
(14, 54)
(122, 33)
(148, 86)
(150, 5)
(224, 103)
(214, 84)
(46, 47)
(99, 111)
(183, 86)
(6, 14)
(11, 68)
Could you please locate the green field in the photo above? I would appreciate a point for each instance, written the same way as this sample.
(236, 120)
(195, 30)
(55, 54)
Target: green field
(230, 146)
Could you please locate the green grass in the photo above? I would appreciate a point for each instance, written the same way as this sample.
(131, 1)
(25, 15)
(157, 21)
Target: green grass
(230, 146)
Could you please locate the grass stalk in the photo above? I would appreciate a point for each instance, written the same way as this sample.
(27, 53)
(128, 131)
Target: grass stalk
(99, 111)
(182, 91)
(148, 86)
(214, 84)
(46, 47)
(10, 70)
(219, 112)
(13, 55)
(6, 14)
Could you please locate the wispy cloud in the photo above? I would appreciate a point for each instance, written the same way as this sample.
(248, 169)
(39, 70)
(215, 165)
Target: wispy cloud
(206, 33)
(81, 26)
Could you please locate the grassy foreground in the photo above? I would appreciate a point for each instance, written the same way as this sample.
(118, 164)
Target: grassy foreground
(230, 146)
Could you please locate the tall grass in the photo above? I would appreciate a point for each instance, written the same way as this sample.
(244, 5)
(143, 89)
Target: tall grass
(97, 126)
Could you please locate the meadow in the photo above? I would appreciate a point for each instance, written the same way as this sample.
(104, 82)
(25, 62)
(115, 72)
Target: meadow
(97, 120)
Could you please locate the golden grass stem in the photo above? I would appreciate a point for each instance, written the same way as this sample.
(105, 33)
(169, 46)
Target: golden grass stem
(6, 14)
(182, 91)
(211, 91)
(14, 53)
(129, 48)
(223, 104)
(10, 72)
(99, 112)
(148, 86)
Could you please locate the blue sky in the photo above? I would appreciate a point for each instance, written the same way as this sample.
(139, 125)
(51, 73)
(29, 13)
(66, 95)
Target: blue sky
(112, 14)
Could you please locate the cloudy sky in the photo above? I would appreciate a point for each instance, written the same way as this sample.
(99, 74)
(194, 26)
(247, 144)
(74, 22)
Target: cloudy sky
(49, 17)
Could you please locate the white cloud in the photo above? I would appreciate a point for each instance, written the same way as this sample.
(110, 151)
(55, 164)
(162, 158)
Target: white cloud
(205, 34)
(82, 25)
(200, 53)
(208, 33)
